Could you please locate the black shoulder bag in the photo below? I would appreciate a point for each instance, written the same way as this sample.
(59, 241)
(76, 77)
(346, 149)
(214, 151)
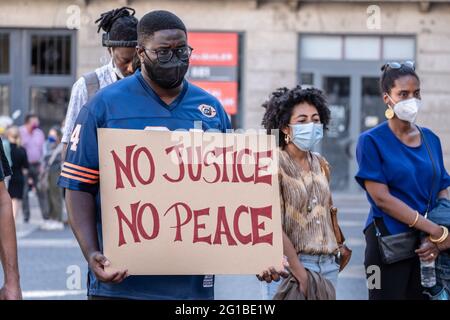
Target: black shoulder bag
(399, 247)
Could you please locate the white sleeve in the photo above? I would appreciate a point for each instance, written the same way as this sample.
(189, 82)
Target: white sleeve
(78, 98)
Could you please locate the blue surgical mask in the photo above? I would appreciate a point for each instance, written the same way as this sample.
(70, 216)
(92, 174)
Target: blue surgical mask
(305, 136)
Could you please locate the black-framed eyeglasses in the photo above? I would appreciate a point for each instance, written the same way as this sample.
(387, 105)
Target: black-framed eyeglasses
(397, 65)
(165, 54)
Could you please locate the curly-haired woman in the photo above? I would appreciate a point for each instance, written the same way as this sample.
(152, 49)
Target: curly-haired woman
(300, 116)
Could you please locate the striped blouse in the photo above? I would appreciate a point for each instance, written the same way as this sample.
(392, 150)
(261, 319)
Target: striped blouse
(305, 206)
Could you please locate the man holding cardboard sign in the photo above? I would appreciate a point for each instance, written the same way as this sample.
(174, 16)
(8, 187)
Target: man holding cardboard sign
(156, 96)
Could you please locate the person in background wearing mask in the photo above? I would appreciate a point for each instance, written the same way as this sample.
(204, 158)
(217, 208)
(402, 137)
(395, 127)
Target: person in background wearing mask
(300, 116)
(49, 179)
(19, 170)
(120, 38)
(33, 140)
(397, 174)
(157, 96)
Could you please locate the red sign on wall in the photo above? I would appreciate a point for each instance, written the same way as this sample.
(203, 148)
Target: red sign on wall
(214, 66)
(214, 49)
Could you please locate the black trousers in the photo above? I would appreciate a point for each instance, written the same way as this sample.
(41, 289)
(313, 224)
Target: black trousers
(400, 280)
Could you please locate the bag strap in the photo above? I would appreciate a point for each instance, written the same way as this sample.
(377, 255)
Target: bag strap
(282, 198)
(377, 230)
(434, 169)
(92, 83)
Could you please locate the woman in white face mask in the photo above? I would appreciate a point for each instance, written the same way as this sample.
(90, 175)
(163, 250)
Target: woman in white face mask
(401, 169)
(300, 117)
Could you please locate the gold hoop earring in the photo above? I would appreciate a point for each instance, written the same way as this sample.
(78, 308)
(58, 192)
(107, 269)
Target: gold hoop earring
(389, 113)
(287, 139)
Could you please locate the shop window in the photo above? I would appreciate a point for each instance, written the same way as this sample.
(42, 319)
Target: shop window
(4, 53)
(50, 54)
(396, 48)
(362, 48)
(321, 47)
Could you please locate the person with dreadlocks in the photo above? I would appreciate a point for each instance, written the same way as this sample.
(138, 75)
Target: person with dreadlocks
(157, 95)
(120, 38)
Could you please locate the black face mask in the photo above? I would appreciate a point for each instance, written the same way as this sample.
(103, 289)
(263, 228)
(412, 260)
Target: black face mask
(167, 75)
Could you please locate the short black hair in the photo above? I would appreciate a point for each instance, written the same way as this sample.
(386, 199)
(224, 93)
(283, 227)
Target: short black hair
(281, 103)
(156, 21)
(29, 116)
(389, 75)
(120, 27)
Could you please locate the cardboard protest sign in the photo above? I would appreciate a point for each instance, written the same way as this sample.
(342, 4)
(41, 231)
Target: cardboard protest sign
(189, 202)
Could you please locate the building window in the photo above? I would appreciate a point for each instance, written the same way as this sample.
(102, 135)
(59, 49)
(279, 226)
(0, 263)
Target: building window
(49, 104)
(50, 54)
(354, 48)
(362, 48)
(4, 53)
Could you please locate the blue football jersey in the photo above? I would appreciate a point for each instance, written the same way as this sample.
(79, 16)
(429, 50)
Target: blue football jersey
(132, 104)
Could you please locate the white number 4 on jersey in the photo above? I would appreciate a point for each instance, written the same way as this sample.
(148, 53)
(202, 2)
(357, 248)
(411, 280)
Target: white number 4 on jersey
(75, 137)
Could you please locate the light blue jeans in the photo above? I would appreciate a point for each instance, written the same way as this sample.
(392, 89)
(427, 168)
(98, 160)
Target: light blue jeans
(326, 265)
